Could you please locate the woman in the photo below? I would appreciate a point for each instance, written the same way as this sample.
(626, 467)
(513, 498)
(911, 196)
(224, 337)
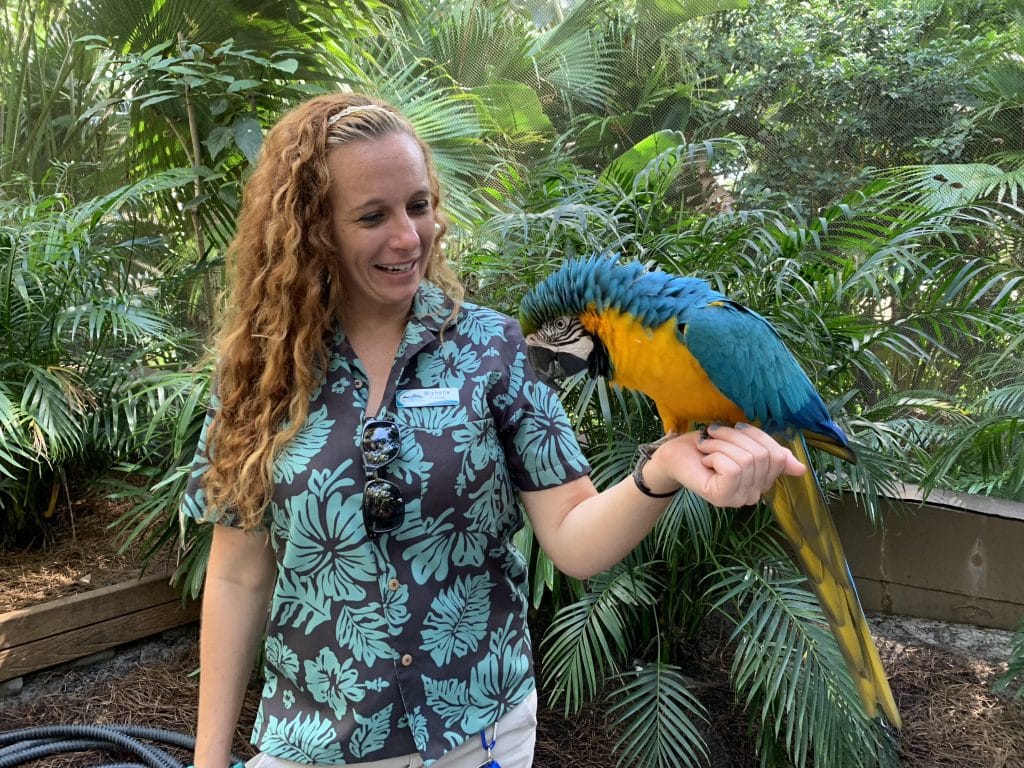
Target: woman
(371, 439)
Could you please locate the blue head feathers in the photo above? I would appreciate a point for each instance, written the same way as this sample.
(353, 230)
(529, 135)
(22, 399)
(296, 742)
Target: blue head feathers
(601, 282)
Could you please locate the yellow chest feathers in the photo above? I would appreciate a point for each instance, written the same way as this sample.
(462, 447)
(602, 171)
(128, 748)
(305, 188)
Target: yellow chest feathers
(657, 363)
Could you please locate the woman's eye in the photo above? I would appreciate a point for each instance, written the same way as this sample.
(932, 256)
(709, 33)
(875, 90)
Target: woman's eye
(420, 206)
(370, 218)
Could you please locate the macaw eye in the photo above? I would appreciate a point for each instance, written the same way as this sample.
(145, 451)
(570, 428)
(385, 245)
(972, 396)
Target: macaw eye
(561, 324)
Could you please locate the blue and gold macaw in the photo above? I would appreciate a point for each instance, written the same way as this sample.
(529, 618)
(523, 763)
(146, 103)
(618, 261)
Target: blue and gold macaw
(703, 358)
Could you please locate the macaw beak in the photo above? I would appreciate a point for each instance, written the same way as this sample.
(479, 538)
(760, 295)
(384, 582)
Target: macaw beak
(552, 365)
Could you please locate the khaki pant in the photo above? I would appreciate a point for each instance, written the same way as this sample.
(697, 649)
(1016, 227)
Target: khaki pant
(517, 734)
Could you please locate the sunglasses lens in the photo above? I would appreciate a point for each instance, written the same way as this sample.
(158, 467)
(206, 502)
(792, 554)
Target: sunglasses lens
(381, 443)
(383, 507)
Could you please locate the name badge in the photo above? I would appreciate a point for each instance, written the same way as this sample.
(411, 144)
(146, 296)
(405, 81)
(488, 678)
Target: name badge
(427, 398)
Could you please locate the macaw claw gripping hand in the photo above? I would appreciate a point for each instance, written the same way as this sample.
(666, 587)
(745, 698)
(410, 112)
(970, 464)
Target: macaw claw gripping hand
(704, 358)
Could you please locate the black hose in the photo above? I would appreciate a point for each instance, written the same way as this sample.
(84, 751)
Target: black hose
(28, 744)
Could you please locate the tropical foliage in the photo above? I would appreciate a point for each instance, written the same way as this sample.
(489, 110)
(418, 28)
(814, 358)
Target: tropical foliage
(824, 92)
(852, 172)
(80, 318)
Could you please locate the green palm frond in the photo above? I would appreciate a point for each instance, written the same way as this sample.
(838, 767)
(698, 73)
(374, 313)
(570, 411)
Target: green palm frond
(664, 16)
(689, 530)
(788, 668)
(79, 318)
(589, 639)
(986, 449)
(472, 41)
(444, 116)
(174, 403)
(544, 577)
(659, 718)
(114, 315)
(579, 64)
(1004, 399)
(15, 455)
(262, 25)
(48, 83)
(951, 185)
(55, 399)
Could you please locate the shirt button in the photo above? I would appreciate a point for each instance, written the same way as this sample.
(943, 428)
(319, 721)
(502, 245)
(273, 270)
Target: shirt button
(393, 585)
(358, 384)
(407, 660)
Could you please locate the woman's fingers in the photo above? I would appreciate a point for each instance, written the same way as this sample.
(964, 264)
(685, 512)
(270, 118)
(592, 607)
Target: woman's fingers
(746, 461)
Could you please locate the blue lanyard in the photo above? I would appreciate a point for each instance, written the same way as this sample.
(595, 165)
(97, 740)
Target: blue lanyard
(488, 746)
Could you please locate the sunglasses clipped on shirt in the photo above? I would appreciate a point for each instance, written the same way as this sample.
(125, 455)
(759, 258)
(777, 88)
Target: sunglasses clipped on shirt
(383, 505)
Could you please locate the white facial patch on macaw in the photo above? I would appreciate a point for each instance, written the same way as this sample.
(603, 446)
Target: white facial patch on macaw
(559, 348)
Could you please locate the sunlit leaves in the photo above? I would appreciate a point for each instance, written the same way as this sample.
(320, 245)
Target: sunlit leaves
(79, 319)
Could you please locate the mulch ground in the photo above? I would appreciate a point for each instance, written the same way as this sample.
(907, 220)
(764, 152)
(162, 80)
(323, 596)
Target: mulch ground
(80, 554)
(952, 718)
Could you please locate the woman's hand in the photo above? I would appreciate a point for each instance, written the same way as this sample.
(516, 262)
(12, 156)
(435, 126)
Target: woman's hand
(731, 467)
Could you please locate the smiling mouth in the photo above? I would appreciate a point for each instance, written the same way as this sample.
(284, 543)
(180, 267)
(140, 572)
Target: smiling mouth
(396, 269)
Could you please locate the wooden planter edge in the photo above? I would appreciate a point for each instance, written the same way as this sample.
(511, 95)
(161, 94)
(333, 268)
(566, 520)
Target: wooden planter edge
(73, 627)
(952, 557)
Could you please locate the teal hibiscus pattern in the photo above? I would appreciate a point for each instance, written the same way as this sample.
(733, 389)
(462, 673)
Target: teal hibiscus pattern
(336, 683)
(396, 598)
(281, 657)
(477, 445)
(434, 420)
(303, 739)
(303, 447)
(450, 365)
(481, 328)
(503, 674)
(547, 442)
(440, 545)
(414, 640)
(325, 545)
(416, 723)
(372, 732)
(363, 631)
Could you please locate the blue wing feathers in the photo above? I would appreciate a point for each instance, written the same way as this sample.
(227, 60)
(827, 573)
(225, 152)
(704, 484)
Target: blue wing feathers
(746, 359)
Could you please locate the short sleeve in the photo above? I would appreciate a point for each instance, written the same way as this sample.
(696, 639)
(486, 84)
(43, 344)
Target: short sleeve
(540, 445)
(193, 503)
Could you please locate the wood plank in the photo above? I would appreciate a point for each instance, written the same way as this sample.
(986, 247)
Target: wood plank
(67, 613)
(934, 561)
(83, 641)
(910, 600)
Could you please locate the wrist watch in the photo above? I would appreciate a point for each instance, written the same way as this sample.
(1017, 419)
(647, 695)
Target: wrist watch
(646, 451)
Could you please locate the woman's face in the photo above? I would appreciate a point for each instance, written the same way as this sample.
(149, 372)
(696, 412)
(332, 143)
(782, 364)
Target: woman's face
(383, 222)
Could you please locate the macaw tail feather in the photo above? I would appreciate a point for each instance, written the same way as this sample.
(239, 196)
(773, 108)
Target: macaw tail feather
(800, 511)
(830, 445)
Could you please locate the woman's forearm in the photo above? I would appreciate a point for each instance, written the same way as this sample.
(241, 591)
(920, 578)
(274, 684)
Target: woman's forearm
(597, 530)
(236, 594)
(584, 532)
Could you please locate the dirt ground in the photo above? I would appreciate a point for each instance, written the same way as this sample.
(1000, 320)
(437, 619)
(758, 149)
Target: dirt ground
(952, 718)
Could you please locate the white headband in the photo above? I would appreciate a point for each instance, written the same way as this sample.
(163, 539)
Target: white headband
(352, 110)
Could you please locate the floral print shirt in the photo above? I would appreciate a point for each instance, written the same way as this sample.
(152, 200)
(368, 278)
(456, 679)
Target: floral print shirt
(416, 640)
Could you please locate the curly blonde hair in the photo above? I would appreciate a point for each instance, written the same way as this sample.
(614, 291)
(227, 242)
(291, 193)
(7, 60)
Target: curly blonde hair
(285, 291)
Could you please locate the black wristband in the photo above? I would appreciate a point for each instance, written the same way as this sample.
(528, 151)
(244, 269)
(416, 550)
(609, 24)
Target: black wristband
(646, 452)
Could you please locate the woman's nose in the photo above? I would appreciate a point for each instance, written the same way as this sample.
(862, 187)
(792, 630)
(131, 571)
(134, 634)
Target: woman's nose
(405, 236)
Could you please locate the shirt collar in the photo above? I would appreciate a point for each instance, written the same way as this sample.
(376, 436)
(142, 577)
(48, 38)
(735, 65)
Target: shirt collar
(431, 308)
